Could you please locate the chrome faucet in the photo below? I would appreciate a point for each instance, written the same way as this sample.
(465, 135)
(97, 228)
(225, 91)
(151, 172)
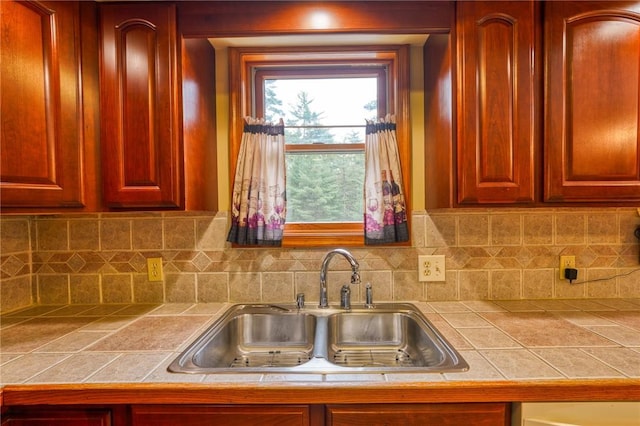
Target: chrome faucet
(355, 275)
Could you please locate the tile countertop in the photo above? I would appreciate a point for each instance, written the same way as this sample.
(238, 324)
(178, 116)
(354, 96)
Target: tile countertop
(522, 342)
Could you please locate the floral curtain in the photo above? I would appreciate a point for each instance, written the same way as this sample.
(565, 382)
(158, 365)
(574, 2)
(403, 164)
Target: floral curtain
(385, 218)
(258, 207)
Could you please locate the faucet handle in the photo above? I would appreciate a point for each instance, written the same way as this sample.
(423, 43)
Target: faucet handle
(300, 300)
(368, 296)
(345, 297)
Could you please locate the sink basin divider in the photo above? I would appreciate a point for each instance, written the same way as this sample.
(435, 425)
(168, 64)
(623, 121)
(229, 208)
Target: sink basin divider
(320, 349)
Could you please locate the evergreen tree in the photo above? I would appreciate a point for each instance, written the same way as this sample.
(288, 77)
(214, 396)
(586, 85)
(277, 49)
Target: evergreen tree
(303, 115)
(273, 111)
(353, 136)
(321, 187)
(372, 107)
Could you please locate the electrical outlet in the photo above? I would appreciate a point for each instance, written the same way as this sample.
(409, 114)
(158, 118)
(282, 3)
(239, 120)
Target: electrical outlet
(566, 262)
(154, 268)
(431, 268)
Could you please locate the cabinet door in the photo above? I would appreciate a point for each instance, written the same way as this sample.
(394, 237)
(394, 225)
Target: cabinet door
(140, 127)
(41, 126)
(481, 414)
(280, 415)
(592, 123)
(497, 101)
(62, 417)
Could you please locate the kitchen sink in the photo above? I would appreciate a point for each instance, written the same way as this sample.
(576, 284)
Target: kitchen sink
(251, 337)
(390, 338)
(385, 339)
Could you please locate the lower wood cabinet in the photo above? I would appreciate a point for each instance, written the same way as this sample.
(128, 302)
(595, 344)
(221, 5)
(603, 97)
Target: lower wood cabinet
(476, 414)
(454, 414)
(36, 416)
(228, 415)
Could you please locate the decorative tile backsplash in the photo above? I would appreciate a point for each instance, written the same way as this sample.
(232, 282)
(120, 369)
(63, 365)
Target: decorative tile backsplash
(491, 254)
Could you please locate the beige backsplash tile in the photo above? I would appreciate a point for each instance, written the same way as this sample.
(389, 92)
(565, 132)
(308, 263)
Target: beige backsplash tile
(117, 288)
(538, 229)
(53, 289)
(180, 288)
(492, 254)
(602, 228)
(539, 283)
(84, 289)
(277, 286)
(570, 228)
(473, 230)
(84, 234)
(115, 234)
(147, 234)
(506, 284)
(506, 229)
(213, 287)
(179, 234)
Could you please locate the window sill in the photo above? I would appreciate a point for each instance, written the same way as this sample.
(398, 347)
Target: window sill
(323, 235)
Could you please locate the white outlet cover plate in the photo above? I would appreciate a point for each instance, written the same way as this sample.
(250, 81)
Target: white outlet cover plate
(431, 268)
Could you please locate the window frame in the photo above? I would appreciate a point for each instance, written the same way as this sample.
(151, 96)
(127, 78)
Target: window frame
(243, 63)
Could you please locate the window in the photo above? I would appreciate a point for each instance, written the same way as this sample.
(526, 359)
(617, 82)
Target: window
(324, 97)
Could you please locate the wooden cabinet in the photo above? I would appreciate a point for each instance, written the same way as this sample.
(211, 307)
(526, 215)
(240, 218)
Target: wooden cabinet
(230, 415)
(57, 417)
(141, 147)
(575, 138)
(157, 111)
(441, 414)
(43, 123)
(592, 119)
(477, 414)
(497, 102)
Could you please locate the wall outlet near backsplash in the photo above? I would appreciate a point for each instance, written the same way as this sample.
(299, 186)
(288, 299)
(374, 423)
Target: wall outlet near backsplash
(431, 268)
(154, 268)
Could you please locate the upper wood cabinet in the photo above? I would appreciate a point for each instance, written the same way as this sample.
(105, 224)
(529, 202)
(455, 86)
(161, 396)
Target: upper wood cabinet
(140, 114)
(158, 111)
(497, 102)
(592, 118)
(42, 149)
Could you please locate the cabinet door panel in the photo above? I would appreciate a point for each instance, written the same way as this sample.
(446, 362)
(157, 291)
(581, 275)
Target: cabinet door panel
(42, 143)
(223, 415)
(486, 414)
(593, 92)
(139, 97)
(497, 102)
(43, 417)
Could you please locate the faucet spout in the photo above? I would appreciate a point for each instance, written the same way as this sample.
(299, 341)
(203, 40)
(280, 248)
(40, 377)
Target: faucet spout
(355, 274)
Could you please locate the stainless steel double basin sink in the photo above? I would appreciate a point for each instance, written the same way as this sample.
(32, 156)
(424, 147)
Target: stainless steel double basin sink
(389, 338)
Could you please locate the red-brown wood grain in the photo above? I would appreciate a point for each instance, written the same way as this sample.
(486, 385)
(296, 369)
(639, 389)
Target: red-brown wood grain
(253, 18)
(42, 121)
(497, 102)
(592, 120)
(477, 414)
(199, 125)
(140, 106)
